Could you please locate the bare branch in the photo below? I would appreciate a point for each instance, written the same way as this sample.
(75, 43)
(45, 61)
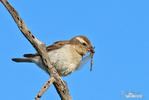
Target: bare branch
(44, 88)
(41, 49)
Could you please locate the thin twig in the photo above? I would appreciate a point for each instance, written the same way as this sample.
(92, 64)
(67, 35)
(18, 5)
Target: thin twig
(41, 49)
(44, 88)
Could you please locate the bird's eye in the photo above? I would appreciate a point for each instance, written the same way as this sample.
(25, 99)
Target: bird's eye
(84, 44)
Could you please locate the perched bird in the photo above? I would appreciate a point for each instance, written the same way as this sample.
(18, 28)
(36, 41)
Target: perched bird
(65, 56)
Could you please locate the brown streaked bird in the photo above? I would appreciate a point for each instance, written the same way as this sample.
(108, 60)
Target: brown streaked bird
(65, 56)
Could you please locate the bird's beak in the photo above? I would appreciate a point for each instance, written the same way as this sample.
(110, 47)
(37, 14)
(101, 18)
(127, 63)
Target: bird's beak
(92, 49)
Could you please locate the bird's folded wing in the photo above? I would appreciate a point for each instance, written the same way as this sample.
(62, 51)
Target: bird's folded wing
(54, 46)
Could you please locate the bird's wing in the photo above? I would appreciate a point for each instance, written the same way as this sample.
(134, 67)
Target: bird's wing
(54, 46)
(84, 61)
(57, 45)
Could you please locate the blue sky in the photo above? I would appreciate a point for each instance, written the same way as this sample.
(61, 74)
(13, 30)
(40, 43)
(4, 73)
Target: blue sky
(119, 29)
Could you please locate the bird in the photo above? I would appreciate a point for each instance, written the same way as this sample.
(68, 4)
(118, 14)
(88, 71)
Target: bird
(65, 55)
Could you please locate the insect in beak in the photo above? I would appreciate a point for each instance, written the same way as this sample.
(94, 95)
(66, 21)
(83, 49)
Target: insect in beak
(92, 53)
(92, 49)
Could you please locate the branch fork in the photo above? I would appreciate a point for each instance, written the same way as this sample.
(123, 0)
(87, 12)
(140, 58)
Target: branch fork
(40, 47)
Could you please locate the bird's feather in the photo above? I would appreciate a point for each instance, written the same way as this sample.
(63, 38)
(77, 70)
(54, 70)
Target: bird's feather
(54, 46)
(84, 61)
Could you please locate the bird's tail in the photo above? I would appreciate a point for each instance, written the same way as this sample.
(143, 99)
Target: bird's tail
(22, 59)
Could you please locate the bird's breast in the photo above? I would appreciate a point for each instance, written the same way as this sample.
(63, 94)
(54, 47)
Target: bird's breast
(66, 59)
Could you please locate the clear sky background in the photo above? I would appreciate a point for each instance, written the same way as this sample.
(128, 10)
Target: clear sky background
(119, 29)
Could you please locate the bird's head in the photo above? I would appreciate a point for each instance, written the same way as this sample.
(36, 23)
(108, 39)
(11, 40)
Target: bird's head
(82, 45)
